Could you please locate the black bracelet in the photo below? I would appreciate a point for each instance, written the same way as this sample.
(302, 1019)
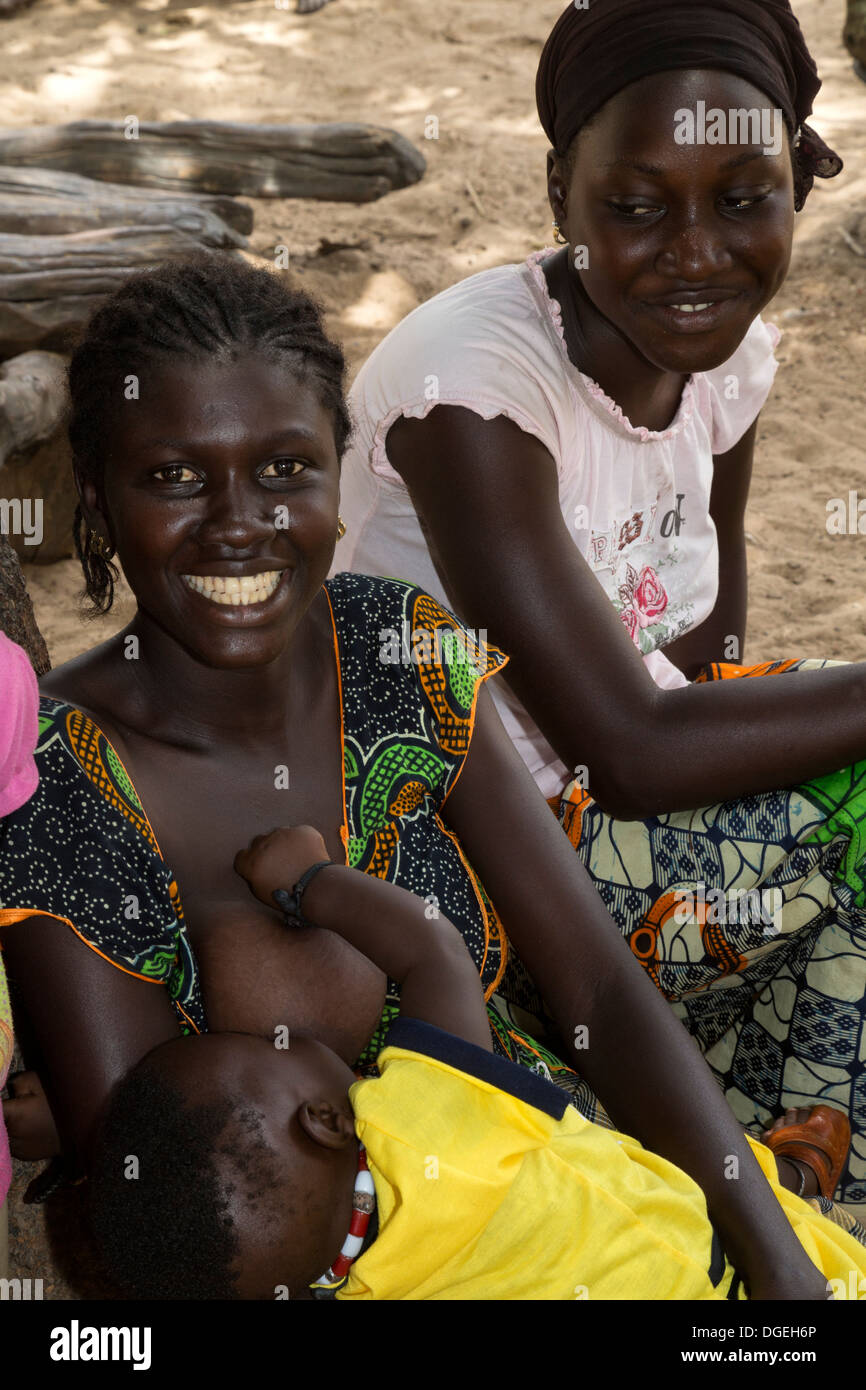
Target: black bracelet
(290, 903)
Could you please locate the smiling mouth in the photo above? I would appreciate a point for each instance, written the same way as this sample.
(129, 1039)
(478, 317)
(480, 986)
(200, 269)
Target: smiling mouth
(235, 591)
(701, 316)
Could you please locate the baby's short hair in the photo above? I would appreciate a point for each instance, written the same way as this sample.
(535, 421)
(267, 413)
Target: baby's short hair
(165, 1178)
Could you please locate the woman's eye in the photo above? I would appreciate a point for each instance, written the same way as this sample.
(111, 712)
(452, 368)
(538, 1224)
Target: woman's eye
(747, 201)
(282, 468)
(174, 473)
(634, 209)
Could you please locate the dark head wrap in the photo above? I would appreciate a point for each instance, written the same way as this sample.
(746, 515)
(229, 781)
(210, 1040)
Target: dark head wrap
(593, 53)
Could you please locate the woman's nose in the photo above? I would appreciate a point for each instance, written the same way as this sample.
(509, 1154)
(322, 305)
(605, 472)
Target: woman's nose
(696, 249)
(237, 514)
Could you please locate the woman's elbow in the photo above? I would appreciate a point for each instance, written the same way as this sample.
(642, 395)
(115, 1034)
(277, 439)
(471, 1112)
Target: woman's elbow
(632, 785)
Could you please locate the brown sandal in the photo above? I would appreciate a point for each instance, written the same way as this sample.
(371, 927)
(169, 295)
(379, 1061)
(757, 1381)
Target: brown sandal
(822, 1144)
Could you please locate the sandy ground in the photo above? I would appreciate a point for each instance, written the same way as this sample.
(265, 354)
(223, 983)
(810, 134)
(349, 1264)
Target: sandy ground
(481, 203)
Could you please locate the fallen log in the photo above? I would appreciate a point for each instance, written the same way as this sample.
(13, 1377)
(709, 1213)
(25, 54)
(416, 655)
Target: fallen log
(347, 163)
(48, 202)
(49, 286)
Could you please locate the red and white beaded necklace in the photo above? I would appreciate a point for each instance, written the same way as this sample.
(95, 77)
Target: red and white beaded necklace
(363, 1206)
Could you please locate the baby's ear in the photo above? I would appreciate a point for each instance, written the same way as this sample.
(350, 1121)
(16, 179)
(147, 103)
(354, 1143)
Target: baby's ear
(325, 1124)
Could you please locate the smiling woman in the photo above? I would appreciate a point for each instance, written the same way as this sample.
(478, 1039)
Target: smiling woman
(562, 452)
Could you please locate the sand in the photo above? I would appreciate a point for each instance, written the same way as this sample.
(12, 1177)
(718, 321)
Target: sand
(482, 203)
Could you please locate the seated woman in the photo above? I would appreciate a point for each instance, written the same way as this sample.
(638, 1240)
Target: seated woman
(561, 451)
(207, 425)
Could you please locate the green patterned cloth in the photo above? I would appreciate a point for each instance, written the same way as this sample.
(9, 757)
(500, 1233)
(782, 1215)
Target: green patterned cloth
(766, 965)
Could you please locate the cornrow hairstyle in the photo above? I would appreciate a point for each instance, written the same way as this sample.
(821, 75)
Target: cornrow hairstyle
(211, 305)
(165, 1231)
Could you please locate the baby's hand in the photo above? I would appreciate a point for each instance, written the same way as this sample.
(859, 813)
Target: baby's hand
(32, 1131)
(279, 859)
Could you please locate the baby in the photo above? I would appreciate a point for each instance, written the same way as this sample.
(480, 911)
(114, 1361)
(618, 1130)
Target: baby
(232, 1166)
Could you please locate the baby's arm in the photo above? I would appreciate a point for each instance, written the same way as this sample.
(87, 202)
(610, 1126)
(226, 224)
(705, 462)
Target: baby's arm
(425, 955)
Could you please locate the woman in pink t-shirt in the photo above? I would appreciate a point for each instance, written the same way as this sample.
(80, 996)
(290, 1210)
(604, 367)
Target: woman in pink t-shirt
(19, 707)
(561, 451)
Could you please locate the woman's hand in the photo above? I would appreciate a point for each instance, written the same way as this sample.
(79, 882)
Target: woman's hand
(278, 860)
(29, 1122)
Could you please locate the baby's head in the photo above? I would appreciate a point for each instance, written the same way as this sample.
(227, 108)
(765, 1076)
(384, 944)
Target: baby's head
(225, 1168)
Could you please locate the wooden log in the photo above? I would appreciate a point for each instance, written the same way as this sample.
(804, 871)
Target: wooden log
(36, 479)
(341, 162)
(17, 618)
(48, 202)
(49, 286)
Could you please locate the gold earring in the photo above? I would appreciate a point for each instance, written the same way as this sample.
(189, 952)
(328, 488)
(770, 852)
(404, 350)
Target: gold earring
(557, 235)
(100, 546)
(341, 528)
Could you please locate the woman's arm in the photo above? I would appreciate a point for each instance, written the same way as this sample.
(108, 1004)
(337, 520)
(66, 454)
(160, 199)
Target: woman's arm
(92, 1021)
(640, 1061)
(487, 494)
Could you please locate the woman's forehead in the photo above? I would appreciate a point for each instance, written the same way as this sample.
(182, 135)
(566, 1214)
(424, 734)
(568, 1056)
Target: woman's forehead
(652, 103)
(188, 398)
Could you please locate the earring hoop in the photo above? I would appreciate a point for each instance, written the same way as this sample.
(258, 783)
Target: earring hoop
(557, 235)
(341, 528)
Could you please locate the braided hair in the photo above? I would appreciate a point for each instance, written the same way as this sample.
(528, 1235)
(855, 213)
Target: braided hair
(213, 306)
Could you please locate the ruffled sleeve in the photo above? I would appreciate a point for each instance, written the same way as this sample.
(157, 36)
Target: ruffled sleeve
(410, 676)
(82, 850)
(738, 388)
(476, 346)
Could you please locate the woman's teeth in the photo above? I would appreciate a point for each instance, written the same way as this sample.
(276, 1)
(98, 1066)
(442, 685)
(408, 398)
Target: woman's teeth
(691, 308)
(237, 590)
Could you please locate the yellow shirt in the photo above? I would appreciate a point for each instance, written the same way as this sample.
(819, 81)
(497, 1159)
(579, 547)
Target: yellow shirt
(490, 1186)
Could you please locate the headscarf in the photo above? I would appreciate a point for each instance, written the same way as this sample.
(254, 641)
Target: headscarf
(593, 53)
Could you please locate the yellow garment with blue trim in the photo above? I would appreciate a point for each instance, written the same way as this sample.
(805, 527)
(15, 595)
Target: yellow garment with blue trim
(482, 1195)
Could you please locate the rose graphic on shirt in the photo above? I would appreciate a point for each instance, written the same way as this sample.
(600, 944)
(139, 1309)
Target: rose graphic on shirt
(650, 595)
(644, 599)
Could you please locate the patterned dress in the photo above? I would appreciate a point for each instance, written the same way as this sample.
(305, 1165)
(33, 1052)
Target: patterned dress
(750, 917)
(82, 849)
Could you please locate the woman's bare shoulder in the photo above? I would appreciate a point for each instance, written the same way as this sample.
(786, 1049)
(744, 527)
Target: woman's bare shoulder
(92, 682)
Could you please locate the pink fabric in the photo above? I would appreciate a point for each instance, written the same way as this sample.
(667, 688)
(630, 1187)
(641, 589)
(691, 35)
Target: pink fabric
(19, 728)
(19, 731)
(5, 1163)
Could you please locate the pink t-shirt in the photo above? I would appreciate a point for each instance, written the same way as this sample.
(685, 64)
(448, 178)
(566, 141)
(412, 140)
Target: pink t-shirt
(636, 501)
(19, 714)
